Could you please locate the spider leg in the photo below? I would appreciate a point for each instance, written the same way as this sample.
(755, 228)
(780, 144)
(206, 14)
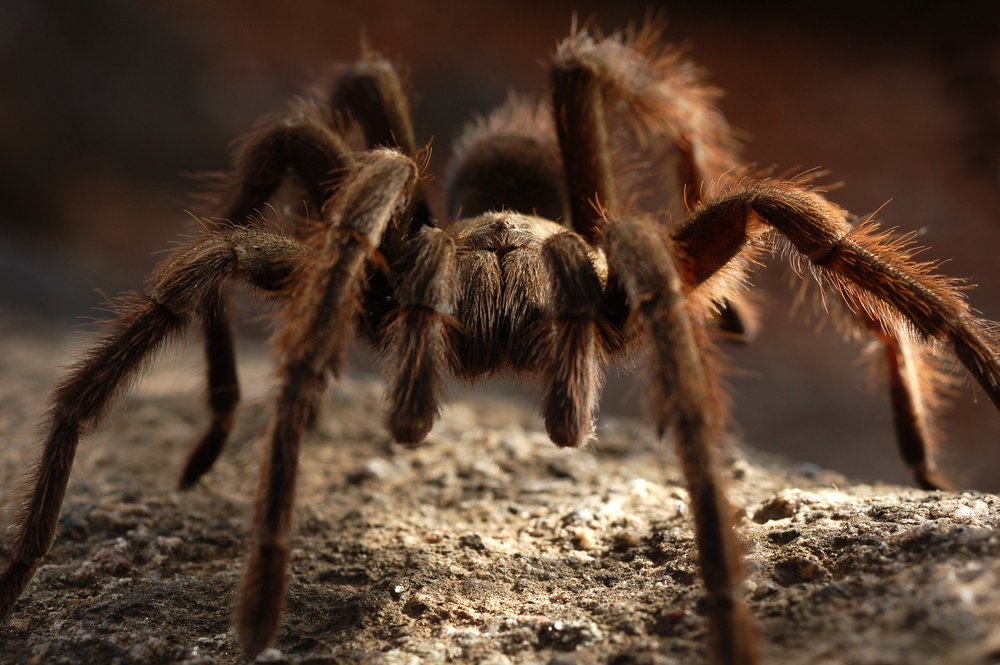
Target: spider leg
(666, 102)
(304, 141)
(874, 275)
(590, 79)
(578, 108)
(668, 108)
(912, 392)
(686, 394)
(223, 392)
(370, 93)
(181, 289)
(375, 199)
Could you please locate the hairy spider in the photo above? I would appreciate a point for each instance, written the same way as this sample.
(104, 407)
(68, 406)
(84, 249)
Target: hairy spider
(543, 269)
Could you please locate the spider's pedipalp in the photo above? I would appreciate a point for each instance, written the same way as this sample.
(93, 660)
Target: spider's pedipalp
(319, 320)
(421, 337)
(572, 344)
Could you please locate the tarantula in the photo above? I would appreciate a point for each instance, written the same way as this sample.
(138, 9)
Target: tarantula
(545, 268)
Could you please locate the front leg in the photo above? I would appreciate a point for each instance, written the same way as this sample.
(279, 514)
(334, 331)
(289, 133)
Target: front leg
(304, 142)
(686, 395)
(319, 321)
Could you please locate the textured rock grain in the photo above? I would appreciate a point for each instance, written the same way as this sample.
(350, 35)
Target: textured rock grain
(484, 545)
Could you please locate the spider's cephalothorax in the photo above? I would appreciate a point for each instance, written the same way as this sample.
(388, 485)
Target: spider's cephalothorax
(541, 272)
(524, 295)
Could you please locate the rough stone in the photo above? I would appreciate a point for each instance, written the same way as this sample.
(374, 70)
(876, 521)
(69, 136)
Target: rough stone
(484, 545)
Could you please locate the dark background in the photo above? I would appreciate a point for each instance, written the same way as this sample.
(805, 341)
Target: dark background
(106, 106)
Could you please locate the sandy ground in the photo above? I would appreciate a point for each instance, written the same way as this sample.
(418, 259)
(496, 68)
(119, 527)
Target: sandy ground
(484, 545)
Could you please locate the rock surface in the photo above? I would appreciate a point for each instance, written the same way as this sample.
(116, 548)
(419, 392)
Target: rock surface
(484, 545)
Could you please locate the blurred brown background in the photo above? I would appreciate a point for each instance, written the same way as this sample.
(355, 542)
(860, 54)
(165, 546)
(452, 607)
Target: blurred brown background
(106, 105)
